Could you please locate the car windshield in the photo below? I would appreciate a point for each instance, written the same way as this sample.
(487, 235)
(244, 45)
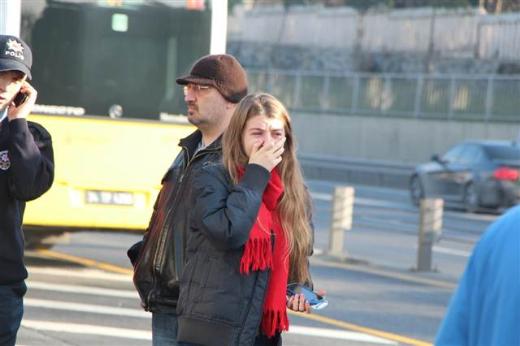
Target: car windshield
(501, 152)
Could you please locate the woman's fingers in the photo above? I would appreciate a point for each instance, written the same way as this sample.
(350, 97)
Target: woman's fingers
(307, 307)
(269, 155)
(256, 147)
(301, 303)
(298, 303)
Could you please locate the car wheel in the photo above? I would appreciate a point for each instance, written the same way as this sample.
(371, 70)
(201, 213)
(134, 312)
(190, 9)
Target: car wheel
(471, 198)
(416, 190)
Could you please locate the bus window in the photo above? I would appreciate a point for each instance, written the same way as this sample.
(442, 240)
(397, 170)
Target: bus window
(125, 58)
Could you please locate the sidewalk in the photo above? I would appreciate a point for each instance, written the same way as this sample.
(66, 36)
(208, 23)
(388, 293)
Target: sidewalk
(394, 257)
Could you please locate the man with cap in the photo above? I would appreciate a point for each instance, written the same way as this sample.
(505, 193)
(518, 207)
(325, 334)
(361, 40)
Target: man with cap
(26, 172)
(212, 89)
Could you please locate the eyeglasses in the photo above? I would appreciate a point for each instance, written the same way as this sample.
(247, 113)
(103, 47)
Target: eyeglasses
(196, 88)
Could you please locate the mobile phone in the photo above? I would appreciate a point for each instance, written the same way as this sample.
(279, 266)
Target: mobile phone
(316, 301)
(20, 98)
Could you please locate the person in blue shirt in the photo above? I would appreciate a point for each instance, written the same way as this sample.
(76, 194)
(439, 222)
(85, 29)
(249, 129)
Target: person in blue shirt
(485, 309)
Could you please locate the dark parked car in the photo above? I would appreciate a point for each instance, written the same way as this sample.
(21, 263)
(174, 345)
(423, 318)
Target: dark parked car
(476, 174)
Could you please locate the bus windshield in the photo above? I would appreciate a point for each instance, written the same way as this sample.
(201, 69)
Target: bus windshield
(119, 61)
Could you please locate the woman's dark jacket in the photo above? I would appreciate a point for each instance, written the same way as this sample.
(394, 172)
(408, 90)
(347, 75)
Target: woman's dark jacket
(218, 305)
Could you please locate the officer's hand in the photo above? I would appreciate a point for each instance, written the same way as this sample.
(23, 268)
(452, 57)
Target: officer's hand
(22, 111)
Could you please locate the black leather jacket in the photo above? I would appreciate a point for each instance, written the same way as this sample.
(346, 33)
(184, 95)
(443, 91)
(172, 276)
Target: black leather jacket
(159, 258)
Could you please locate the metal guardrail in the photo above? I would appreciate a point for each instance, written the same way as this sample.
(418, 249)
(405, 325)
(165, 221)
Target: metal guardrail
(417, 96)
(356, 171)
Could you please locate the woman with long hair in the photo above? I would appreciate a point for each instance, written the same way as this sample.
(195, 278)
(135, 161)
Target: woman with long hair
(250, 234)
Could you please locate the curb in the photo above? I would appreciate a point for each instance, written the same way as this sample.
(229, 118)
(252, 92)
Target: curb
(363, 266)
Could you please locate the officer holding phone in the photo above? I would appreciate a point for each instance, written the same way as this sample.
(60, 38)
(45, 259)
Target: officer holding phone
(26, 172)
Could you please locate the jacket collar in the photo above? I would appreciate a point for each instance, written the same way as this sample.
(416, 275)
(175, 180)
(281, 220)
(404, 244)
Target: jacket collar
(192, 141)
(4, 132)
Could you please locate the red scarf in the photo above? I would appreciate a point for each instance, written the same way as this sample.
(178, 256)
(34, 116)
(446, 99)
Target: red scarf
(260, 255)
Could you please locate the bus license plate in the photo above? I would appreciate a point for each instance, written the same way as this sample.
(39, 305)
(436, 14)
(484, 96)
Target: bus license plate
(109, 197)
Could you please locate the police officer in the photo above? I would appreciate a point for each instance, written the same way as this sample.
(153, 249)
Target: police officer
(26, 172)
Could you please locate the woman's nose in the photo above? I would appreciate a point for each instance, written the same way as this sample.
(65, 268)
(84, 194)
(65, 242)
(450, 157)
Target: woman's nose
(268, 139)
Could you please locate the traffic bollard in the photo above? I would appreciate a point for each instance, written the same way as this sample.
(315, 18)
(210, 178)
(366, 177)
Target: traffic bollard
(430, 227)
(341, 221)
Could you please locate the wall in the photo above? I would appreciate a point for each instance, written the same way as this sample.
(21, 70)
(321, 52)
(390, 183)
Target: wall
(406, 40)
(406, 30)
(389, 139)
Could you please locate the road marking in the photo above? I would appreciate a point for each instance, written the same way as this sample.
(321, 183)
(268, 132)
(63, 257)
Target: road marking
(75, 328)
(84, 273)
(470, 216)
(90, 308)
(86, 262)
(321, 196)
(361, 329)
(453, 252)
(358, 335)
(88, 329)
(315, 317)
(81, 289)
(338, 334)
(317, 251)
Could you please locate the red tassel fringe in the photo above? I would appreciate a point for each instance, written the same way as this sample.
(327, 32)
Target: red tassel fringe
(274, 321)
(257, 256)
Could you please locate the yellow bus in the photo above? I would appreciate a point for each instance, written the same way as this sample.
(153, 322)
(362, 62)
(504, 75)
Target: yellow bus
(107, 175)
(105, 74)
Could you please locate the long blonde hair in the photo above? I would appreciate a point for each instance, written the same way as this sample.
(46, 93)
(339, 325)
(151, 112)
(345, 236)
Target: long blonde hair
(295, 205)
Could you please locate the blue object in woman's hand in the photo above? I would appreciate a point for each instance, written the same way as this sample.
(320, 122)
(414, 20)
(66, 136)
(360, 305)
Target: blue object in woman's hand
(316, 301)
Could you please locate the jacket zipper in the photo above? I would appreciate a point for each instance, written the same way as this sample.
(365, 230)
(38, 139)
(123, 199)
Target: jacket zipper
(164, 231)
(154, 265)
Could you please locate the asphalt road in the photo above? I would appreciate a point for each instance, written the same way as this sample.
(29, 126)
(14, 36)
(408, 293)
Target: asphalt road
(71, 304)
(375, 296)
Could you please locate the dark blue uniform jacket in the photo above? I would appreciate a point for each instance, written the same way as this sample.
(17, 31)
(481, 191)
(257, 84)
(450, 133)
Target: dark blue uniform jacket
(26, 172)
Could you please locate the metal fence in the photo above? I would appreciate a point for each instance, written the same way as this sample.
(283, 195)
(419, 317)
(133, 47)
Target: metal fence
(450, 97)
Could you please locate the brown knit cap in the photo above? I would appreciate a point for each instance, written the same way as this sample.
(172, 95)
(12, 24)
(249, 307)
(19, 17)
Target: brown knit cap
(223, 72)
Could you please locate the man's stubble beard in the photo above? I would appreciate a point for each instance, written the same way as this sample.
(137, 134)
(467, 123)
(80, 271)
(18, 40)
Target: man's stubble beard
(202, 121)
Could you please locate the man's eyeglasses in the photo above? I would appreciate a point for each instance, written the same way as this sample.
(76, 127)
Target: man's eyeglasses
(196, 88)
